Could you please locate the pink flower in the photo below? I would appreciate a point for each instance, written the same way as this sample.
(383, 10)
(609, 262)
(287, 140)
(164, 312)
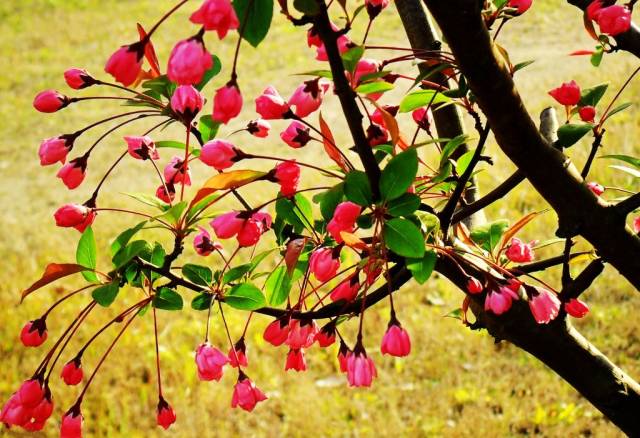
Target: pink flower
(125, 63)
(250, 233)
(423, 117)
(72, 373)
(55, 149)
(521, 6)
(296, 135)
(344, 219)
(287, 174)
(276, 333)
(270, 105)
(188, 62)
(210, 362)
(365, 67)
(327, 335)
(227, 103)
(72, 174)
(50, 101)
(216, 15)
(347, 290)
(40, 414)
(360, 368)
(308, 97)
(203, 244)
(576, 308)
(259, 128)
(30, 393)
(142, 148)
(227, 225)
(519, 251)
(34, 333)
(587, 113)
(301, 333)
(593, 8)
(176, 172)
(186, 102)
(396, 341)
(161, 193)
(613, 20)
(246, 394)
(636, 225)
(219, 154)
(377, 134)
(344, 43)
(296, 361)
(78, 78)
(343, 355)
(596, 188)
(474, 286)
(71, 426)
(238, 354)
(166, 415)
(544, 305)
(74, 215)
(374, 7)
(323, 264)
(567, 94)
(499, 301)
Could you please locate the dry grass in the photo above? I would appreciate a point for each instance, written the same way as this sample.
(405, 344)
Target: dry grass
(456, 383)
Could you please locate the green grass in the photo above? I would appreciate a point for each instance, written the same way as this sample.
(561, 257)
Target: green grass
(455, 383)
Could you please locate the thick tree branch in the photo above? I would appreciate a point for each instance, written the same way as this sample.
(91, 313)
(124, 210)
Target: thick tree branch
(583, 281)
(628, 205)
(542, 265)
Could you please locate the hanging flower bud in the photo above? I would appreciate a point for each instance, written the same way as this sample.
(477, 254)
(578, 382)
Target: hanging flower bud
(74, 215)
(544, 305)
(576, 308)
(344, 219)
(587, 113)
(71, 426)
(218, 15)
(176, 172)
(296, 361)
(72, 174)
(613, 20)
(324, 264)
(259, 128)
(301, 333)
(34, 333)
(227, 103)
(521, 6)
(636, 225)
(55, 149)
(343, 354)
(396, 341)
(161, 193)
(567, 94)
(296, 135)
(40, 414)
(596, 188)
(287, 174)
(347, 290)
(374, 7)
(423, 117)
(186, 101)
(239, 356)
(277, 332)
(344, 44)
(519, 251)
(474, 286)
(219, 154)
(246, 395)
(72, 373)
(270, 105)
(203, 244)
(227, 225)
(499, 301)
(126, 62)
(141, 148)
(50, 101)
(308, 97)
(78, 78)
(210, 362)
(166, 415)
(360, 368)
(189, 61)
(327, 335)
(377, 135)
(364, 67)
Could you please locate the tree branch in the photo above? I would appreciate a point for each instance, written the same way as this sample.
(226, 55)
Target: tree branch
(583, 281)
(628, 205)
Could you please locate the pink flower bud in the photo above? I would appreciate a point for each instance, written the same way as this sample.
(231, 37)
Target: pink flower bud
(596, 188)
(360, 368)
(250, 233)
(216, 15)
(71, 426)
(396, 341)
(593, 8)
(474, 286)
(499, 301)
(374, 7)
(347, 290)
(78, 78)
(365, 67)
(142, 148)
(327, 335)
(567, 94)
(344, 43)
(41, 413)
(186, 102)
(30, 393)
(50, 101)
(287, 174)
(176, 172)
(72, 174)
(576, 308)
(301, 333)
(55, 149)
(521, 6)
(613, 20)
(343, 355)
(203, 244)
(239, 356)
(246, 394)
(161, 193)
(270, 105)
(276, 333)
(587, 113)
(296, 135)
(210, 362)
(219, 154)
(344, 219)
(34, 333)
(125, 63)
(227, 225)
(423, 117)
(373, 269)
(377, 135)
(519, 251)
(189, 61)
(227, 103)
(74, 215)
(259, 128)
(636, 225)
(166, 415)
(14, 413)
(544, 305)
(296, 361)
(72, 372)
(308, 97)
(323, 264)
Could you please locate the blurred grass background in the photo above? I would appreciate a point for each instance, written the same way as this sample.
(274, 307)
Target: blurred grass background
(455, 383)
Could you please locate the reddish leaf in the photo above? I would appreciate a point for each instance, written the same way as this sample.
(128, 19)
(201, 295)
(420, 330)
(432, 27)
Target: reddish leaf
(227, 180)
(149, 53)
(53, 272)
(588, 25)
(390, 123)
(352, 241)
(291, 256)
(582, 52)
(513, 229)
(330, 145)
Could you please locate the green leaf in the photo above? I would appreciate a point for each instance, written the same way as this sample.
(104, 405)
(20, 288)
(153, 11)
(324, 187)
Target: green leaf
(160, 85)
(330, 199)
(208, 127)
(420, 98)
(86, 254)
(303, 209)
(357, 188)
(570, 133)
(307, 7)
(105, 295)
(277, 286)
(626, 158)
(451, 147)
(172, 144)
(124, 237)
(399, 174)
(429, 222)
(633, 172)
(297, 211)
(374, 87)
(617, 109)
(211, 73)
(156, 258)
(463, 162)
(258, 19)
(404, 205)
(591, 96)
(127, 253)
(404, 238)
(174, 214)
(149, 200)
(421, 268)
(236, 273)
(197, 274)
(167, 299)
(521, 65)
(488, 236)
(596, 58)
(351, 57)
(201, 302)
(245, 296)
(321, 73)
